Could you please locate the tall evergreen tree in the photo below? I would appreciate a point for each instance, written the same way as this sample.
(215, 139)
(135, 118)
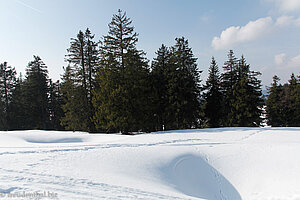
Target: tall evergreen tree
(247, 96)
(35, 91)
(7, 85)
(229, 79)
(296, 96)
(55, 106)
(160, 68)
(83, 58)
(274, 109)
(122, 96)
(183, 110)
(213, 97)
(17, 111)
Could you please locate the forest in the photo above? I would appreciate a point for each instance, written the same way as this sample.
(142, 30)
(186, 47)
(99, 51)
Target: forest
(110, 86)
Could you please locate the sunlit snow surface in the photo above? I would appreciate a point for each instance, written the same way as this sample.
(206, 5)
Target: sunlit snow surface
(228, 163)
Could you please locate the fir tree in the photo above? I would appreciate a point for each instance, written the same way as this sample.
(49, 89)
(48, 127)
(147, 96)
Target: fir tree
(213, 97)
(17, 115)
(83, 58)
(76, 115)
(55, 106)
(229, 79)
(296, 96)
(247, 97)
(35, 91)
(7, 85)
(159, 80)
(122, 97)
(183, 110)
(274, 109)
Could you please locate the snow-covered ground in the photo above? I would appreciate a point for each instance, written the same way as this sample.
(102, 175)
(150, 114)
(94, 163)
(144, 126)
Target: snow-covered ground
(228, 163)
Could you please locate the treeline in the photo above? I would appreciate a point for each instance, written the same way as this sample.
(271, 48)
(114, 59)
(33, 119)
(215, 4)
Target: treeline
(109, 86)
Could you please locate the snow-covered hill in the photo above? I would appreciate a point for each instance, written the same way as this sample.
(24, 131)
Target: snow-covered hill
(232, 163)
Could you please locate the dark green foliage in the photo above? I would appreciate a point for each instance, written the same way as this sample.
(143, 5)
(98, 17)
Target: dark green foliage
(7, 85)
(283, 103)
(79, 81)
(122, 98)
(274, 109)
(183, 87)
(242, 93)
(18, 118)
(76, 114)
(159, 80)
(247, 97)
(35, 91)
(229, 79)
(55, 106)
(213, 97)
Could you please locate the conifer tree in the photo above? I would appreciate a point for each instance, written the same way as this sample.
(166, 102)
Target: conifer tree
(122, 97)
(160, 67)
(83, 58)
(7, 85)
(247, 97)
(296, 96)
(35, 91)
(229, 79)
(274, 109)
(55, 106)
(183, 110)
(17, 115)
(213, 97)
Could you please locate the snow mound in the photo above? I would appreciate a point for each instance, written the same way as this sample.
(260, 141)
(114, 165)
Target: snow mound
(193, 176)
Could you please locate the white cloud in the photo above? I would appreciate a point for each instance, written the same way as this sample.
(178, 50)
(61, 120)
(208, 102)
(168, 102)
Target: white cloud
(294, 62)
(282, 62)
(280, 58)
(287, 5)
(287, 20)
(236, 34)
(254, 30)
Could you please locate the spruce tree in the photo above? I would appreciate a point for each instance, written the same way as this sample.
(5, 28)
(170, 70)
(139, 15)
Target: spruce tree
(183, 109)
(7, 85)
(247, 97)
(122, 96)
(213, 97)
(55, 106)
(296, 96)
(274, 109)
(229, 79)
(83, 60)
(17, 110)
(160, 67)
(36, 91)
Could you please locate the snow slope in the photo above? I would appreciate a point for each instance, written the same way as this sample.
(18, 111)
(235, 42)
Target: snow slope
(228, 163)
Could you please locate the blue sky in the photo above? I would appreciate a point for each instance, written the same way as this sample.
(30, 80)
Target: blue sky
(266, 32)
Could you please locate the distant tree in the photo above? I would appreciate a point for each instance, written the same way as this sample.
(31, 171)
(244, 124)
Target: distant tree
(296, 96)
(213, 97)
(83, 59)
(273, 103)
(122, 96)
(7, 85)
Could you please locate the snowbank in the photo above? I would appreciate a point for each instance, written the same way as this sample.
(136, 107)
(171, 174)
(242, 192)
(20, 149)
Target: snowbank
(228, 163)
